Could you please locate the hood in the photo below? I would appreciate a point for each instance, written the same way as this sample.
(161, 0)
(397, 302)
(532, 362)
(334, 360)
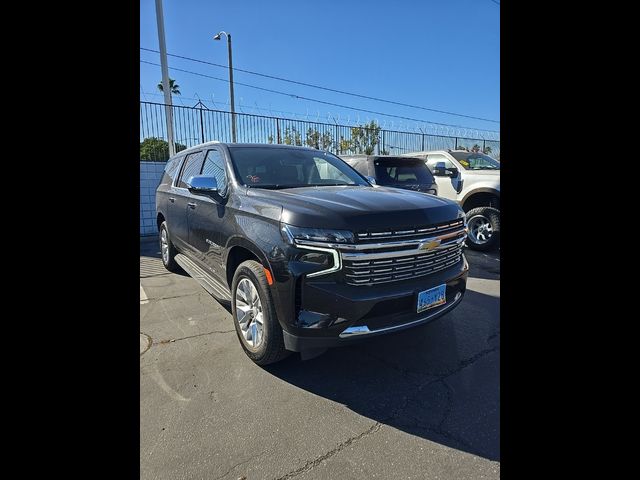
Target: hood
(357, 208)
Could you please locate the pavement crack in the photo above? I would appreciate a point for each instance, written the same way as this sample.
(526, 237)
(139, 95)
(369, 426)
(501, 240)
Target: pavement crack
(240, 463)
(465, 363)
(172, 340)
(341, 446)
(174, 296)
(449, 407)
(402, 371)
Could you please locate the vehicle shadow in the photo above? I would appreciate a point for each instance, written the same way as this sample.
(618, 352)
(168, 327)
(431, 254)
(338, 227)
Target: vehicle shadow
(440, 381)
(150, 249)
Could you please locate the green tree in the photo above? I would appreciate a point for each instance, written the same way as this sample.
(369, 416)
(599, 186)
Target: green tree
(475, 148)
(317, 140)
(364, 138)
(487, 150)
(173, 86)
(292, 137)
(155, 149)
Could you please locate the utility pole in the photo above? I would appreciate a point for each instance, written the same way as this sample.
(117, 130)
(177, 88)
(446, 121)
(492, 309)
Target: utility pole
(218, 36)
(165, 78)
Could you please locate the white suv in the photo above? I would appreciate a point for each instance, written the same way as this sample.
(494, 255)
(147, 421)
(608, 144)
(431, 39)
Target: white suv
(473, 180)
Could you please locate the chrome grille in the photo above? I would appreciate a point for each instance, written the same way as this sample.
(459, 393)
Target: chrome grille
(395, 254)
(409, 233)
(400, 268)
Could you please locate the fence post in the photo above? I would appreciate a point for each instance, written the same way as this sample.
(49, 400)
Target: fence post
(456, 147)
(278, 130)
(384, 141)
(484, 145)
(422, 149)
(201, 124)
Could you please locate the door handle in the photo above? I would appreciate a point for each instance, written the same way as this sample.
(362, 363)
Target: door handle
(172, 199)
(192, 205)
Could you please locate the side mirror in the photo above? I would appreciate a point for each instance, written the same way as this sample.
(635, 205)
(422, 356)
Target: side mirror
(202, 184)
(370, 179)
(452, 172)
(440, 170)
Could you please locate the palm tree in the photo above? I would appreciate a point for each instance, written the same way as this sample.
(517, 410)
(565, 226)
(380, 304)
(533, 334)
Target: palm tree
(173, 86)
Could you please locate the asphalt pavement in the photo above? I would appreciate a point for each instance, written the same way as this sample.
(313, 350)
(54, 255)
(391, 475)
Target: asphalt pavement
(421, 403)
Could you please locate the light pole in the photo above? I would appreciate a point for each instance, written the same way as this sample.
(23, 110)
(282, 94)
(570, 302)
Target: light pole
(165, 78)
(233, 108)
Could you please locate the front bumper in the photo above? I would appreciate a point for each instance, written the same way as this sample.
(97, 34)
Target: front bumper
(331, 314)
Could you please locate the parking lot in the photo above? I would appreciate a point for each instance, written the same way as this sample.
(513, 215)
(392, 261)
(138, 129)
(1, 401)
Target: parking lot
(422, 403)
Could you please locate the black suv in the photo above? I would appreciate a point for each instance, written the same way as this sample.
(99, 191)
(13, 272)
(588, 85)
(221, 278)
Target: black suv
(307, 252)
(397, 172)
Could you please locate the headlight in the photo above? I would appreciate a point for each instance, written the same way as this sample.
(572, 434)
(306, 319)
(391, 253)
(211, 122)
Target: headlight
(291, 233)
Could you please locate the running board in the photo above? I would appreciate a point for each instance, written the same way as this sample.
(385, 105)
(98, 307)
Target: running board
(208, 282)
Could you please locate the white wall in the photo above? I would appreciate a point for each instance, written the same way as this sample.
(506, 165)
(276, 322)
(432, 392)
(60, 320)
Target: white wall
(150, 175)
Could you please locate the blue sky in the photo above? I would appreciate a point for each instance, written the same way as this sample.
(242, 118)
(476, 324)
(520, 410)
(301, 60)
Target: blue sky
(440, 54)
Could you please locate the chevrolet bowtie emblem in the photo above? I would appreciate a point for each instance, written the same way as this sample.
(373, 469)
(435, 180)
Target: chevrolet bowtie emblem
(430, 245)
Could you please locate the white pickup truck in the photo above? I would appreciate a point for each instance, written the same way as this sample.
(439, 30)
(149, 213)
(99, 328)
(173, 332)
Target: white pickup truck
(473, 180)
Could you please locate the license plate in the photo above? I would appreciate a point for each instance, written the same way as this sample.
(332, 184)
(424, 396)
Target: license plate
(432, 298)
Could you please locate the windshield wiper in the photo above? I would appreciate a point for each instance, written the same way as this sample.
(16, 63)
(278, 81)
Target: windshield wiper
(331, 185)
(276, 186)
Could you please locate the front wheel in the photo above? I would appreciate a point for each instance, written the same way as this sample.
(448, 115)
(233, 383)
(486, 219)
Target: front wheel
(254, 315)
(484, 228)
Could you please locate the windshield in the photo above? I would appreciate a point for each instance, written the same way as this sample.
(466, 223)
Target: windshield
(476, 161)
(402, 171)
(273, 167)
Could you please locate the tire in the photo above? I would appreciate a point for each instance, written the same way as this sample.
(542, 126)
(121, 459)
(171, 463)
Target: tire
(269, 346)
(168, 259)
(484, 228)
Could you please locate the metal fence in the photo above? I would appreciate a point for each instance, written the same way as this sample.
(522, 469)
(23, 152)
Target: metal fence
(199, 124)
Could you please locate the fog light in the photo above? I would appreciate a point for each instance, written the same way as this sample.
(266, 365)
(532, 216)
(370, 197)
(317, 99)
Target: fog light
(318, 258)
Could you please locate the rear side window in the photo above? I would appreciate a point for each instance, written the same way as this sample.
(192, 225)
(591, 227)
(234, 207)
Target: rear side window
(192, 166)
(214, 167)
(171, 170)
(402, 171)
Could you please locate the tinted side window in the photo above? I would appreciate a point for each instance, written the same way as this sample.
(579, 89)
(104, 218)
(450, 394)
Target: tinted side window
(433, 159)
(402, 171)
(171, 170)
(214, 167)
(192, 166)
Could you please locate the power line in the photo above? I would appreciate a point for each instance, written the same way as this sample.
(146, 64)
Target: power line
(256, 108)
(327, 88)
(320, 101)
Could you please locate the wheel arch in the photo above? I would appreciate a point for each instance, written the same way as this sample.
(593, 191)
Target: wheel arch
(481, 197)
(240, 249)
(159, 219)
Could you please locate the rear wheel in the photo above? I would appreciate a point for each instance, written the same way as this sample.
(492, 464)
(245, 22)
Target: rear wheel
(484, 228)
(167, 250)
(254, 315)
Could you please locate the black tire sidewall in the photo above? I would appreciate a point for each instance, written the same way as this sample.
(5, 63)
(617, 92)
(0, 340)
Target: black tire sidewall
(269, 322)
(171, 265)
